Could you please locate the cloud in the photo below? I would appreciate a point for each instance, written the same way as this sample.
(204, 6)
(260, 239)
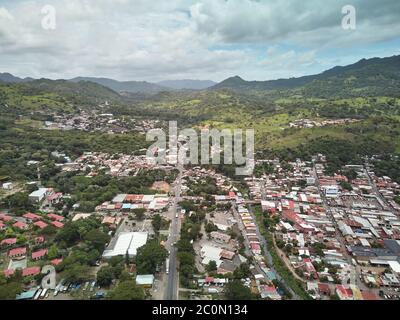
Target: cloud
(205, 39)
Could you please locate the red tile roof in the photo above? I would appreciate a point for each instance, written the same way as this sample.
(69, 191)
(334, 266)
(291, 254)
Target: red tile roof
(39, 239)
(17, 252)
(55, 217)
(56, 262)
(20, 225)
(40, 224)
(58, 224)
(5, 217)
(9, 241)
(32, 271)
(8, 273)
(368, 295)
(31, 216)
(39, 254)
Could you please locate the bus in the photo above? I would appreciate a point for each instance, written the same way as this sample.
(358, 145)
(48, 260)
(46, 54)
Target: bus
(43, 294)
(37, 295)
(167, 266)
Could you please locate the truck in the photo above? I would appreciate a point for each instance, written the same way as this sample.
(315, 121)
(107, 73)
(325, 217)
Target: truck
(167, 266)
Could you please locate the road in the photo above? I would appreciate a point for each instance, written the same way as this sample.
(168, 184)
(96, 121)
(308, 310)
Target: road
(371, 181)
(173, 275)
(354, 275)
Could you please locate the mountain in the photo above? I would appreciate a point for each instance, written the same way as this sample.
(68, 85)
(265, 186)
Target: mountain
(124, 86)
(376, 76)
(187, 84)
(8, 77)
(86, 91)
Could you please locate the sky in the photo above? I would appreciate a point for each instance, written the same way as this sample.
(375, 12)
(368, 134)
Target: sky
(154, 40)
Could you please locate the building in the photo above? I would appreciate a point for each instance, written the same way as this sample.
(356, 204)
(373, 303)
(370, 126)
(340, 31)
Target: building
(31, 216)
(331, 191)
(37, 255)
(38, 195)
(145, 280)
(55, 217)
(20, 225)
(8, 242)
(7, 186)
(127, 243)
(17, 252)
(57, 224)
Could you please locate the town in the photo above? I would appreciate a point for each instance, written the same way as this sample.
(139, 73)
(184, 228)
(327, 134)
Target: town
(289, 231)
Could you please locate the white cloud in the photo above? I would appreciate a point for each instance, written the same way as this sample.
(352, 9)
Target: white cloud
(158, 39)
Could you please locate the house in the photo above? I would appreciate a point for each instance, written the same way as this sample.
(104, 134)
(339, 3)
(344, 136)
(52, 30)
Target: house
(39, 195)
(7, 186)
(40, 224)
(20, 225)
(8, 273)
(324, 289)
(344, 293)
(8, 242)
(56, 262)
(54, 198)
(5, 217)
(145, 280)
(55, 217)
(255, 247)
(37, 255)
(58, 224)
(32, 271)
(268, 292)
(17, 252)
(32, 217)
(368, 295)
(39, 239)
(220, 237)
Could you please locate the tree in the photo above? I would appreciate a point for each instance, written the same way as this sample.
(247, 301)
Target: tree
(76, 272)
(139, 213)
(156, 222)
(210, 227)
(53, 252)
(235, 290)
(96, 239)
(241, 272)
(149, 256)
(127, 290)
(211, 266)
(10, 290)
(105, 276)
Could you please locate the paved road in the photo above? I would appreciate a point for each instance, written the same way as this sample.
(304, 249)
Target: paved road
(173, 275)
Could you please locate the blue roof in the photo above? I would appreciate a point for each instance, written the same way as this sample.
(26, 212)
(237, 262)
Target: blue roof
(26, 295)
(271, 275)
(126, 206)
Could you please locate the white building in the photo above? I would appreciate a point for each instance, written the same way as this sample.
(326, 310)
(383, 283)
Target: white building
(331, 191)
(127, 243)
(38, 195)
(7, 186)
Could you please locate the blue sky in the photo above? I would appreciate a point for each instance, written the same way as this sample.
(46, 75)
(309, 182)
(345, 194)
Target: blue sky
(198, 39)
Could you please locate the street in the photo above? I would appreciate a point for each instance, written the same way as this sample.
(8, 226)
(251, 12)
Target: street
(173, 275)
